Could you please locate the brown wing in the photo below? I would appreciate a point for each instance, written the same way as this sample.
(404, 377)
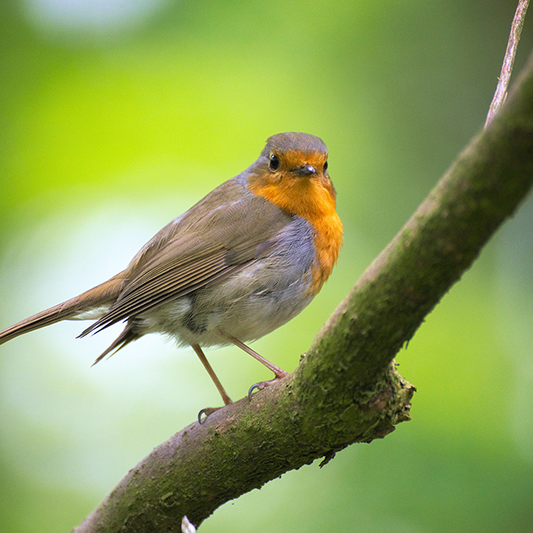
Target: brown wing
(209, 249)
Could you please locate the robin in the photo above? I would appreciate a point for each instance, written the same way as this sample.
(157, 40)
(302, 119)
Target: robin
(237, 265)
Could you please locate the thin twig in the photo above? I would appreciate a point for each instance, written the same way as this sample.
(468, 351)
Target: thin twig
(507, 68)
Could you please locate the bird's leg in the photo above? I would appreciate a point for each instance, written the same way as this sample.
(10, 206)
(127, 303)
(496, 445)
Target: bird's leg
(225, 398)
(278, 372)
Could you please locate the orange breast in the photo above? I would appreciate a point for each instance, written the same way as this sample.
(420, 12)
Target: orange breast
(312, 198)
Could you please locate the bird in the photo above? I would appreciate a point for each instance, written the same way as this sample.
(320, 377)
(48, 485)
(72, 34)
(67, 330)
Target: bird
(243, 261)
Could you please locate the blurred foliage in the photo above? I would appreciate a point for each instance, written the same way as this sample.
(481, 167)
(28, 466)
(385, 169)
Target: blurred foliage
(113, 122)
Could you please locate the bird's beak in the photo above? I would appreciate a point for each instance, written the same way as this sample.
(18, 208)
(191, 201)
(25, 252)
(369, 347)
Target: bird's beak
(305, 170)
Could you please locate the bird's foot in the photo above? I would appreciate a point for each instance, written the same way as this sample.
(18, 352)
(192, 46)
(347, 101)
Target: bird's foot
(205, 413)
(262, 384)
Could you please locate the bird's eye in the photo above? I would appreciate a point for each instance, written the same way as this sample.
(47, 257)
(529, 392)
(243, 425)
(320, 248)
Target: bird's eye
(274, 162)
(325, 167)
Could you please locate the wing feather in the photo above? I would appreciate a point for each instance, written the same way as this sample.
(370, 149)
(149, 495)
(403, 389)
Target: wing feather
(212, 248)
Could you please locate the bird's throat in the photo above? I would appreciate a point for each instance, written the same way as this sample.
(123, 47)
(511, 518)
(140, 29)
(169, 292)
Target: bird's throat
(311, 198)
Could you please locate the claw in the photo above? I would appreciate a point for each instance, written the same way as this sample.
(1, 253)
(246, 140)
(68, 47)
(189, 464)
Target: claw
(257, 386)
(261, 385)
(206, 412)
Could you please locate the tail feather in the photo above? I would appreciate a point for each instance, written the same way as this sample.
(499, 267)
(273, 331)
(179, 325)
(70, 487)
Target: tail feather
(98, 297)
(124, 338)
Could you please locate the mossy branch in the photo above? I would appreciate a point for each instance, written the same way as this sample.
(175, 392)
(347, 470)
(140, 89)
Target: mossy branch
(345, 389)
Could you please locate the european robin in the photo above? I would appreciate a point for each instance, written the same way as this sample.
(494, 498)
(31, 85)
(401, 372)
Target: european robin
(237, 265)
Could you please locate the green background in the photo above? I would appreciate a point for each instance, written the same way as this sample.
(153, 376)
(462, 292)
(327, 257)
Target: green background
(114, 122)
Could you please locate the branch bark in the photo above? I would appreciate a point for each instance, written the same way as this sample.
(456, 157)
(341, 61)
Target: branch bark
(346, 388)
(508, 60)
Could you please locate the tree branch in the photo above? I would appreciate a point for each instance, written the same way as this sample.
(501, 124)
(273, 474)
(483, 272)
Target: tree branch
(345, 389)
(508, 60)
